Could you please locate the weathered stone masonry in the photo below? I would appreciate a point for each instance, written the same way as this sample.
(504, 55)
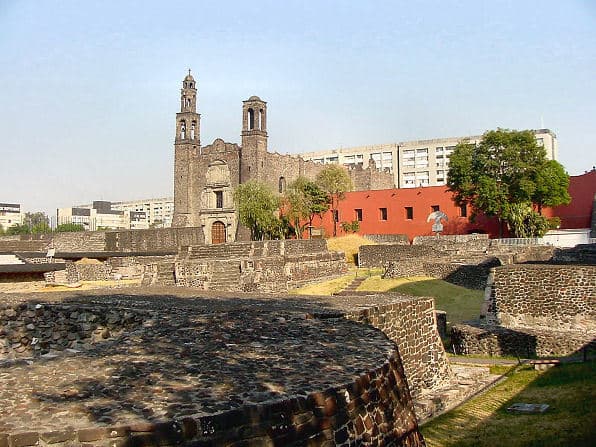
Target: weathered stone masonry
(535, 309)
(351, 404)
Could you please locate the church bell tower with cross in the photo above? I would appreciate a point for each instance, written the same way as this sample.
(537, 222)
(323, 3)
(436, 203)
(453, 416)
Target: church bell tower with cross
(187, 145)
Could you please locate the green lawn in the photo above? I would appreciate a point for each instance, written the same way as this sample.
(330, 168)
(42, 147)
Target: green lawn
(461, 304)
(569, 389)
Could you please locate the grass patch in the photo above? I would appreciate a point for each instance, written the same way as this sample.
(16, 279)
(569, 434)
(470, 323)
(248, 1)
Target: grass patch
(569, 389)
(461, 304)
(349, 244)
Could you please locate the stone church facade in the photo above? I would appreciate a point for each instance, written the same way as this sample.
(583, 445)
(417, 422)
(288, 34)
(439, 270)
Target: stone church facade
(205, 176)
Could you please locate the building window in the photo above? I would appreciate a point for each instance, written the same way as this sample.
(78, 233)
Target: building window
(383, 213)
(463, 210)
(435, 208)
(282, 185)
(335, 215)
(358, 212)
(218, 199)
(251, 119)
(409, 213)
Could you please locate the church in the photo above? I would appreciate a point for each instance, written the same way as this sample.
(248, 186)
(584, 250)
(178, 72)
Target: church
(205, 176)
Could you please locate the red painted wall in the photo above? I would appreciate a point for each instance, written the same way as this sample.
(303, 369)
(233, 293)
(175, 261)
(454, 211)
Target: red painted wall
(575, 215)
(578, 214)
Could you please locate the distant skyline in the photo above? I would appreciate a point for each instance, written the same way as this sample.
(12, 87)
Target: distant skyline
(89, 90)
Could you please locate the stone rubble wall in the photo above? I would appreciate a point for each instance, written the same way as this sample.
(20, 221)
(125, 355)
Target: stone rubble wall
(401, 239)
(524, 343)
(375, 409)
(31, 329)
(542, 296)
(411, 324)
(580, 254)
(380, 255)
(268, 274)
(156, 239)
(471, 276)
(476, 242)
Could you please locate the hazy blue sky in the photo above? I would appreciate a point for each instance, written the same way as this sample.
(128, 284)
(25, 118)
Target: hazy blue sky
(89, 89)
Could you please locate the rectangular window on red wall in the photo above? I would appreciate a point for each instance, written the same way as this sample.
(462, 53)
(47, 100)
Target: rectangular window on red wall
(358, 212)
(463, 211)
(409, 212)
(383, 213)
(435, 208)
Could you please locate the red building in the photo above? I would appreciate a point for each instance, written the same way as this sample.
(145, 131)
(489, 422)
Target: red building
(405, 211)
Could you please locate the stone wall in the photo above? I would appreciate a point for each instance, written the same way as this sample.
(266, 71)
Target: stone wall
(156, 239)
(580, 254)
(477, 242)
(411, 324)
(533, 310)
(371, 406)
(32, 329)
(400, 239)
(542, 296)
(380, 255)
(524, 343)
(471, 276)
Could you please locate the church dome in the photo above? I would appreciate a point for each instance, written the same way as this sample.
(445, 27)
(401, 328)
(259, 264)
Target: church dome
(254, 98)
(189, 77)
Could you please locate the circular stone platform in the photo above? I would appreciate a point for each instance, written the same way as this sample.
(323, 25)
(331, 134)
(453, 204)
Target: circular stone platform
(187, 357)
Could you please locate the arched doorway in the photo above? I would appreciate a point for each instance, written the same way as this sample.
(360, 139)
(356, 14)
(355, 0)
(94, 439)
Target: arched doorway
(218, 233)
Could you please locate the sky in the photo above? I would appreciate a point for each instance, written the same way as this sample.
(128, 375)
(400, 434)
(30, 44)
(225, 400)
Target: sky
(89, 90)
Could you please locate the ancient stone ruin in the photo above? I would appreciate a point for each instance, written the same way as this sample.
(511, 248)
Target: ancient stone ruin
(158, 369)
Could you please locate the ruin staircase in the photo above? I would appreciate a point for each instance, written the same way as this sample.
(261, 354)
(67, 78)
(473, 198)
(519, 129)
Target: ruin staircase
(350, 289)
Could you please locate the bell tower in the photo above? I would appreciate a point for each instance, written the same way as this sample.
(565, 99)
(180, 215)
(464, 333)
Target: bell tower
(188, 120)
(187, 145)
(254, 124)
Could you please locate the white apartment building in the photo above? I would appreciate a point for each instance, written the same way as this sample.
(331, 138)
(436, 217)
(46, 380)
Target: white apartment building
(10, 214)
(101, 216)
(134, 214)
(415, 163)
(159, 211)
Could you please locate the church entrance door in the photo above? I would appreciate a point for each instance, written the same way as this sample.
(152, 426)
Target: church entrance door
(218, 233)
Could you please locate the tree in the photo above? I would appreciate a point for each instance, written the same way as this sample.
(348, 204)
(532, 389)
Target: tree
(552, 186)
(18, 229)
(37, 218)
(41, 228)
(304, 200)
(351, 227)
(335, 181)
(502, 177)
(257, 208)
(69, 227)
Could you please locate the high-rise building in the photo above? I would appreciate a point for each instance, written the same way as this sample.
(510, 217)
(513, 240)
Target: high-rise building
(10, 214)
(415, 163)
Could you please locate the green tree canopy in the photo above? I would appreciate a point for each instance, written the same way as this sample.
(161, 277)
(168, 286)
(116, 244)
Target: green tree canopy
(69, 227)
(505, 176)
(335, 181)
(304, 200)
(257, 206)
(37, 218)
(552, 186)
(18, 229)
